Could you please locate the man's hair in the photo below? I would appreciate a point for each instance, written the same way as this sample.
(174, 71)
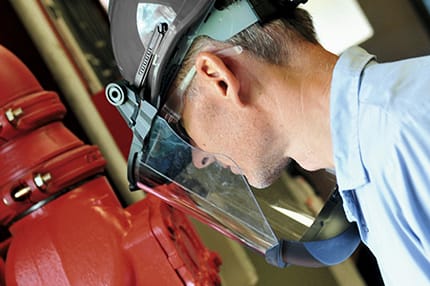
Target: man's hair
(272, 42)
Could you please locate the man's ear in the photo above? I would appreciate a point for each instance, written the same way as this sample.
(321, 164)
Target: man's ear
(214, 72)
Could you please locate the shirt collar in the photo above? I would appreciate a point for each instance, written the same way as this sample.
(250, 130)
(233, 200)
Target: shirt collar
(345, 87)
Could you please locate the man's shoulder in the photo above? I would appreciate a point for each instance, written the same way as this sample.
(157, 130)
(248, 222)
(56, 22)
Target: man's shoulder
(396, 84)
(396, 96)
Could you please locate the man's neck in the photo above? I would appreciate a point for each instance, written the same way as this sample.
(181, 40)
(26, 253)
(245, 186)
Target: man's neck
(312, 72)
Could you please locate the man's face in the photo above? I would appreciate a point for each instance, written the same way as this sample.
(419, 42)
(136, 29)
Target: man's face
(242, 134)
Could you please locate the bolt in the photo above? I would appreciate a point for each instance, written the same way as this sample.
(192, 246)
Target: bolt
(21, 193)
(6, 201)
(12, 114)
(41, 180)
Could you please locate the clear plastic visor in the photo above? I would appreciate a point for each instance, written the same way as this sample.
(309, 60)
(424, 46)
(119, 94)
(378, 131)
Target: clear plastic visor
(214, 194)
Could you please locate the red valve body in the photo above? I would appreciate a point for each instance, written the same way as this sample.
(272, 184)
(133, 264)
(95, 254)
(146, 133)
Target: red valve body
(61, 222)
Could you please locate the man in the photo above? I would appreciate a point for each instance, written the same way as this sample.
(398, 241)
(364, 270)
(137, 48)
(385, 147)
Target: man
(252, 87)
(286, 97)
(271, 92)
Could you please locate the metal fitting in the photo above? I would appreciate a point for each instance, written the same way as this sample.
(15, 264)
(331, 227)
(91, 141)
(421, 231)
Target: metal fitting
(41, 180)
(13, 114)
(21, 193)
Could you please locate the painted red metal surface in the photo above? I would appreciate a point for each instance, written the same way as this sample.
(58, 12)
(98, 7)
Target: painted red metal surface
(85, 237)
(60, 220)
(29, 112)
(24, 105)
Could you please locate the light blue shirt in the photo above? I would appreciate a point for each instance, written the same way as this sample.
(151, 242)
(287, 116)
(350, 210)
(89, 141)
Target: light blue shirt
(380, 121)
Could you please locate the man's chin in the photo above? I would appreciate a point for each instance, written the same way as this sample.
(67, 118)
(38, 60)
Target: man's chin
(265, 176)
(262, 182)
(261, 186)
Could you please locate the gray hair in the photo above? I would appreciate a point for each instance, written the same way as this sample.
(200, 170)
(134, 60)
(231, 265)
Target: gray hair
(272, 42)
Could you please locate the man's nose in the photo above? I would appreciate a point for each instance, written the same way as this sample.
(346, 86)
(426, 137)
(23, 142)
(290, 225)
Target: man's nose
(202, 159)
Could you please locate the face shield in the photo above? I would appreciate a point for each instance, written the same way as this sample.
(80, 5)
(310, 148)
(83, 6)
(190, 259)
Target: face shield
(150, 41)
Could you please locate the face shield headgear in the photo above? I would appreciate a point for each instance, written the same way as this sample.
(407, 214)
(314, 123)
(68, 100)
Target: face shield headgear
(150, 40)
